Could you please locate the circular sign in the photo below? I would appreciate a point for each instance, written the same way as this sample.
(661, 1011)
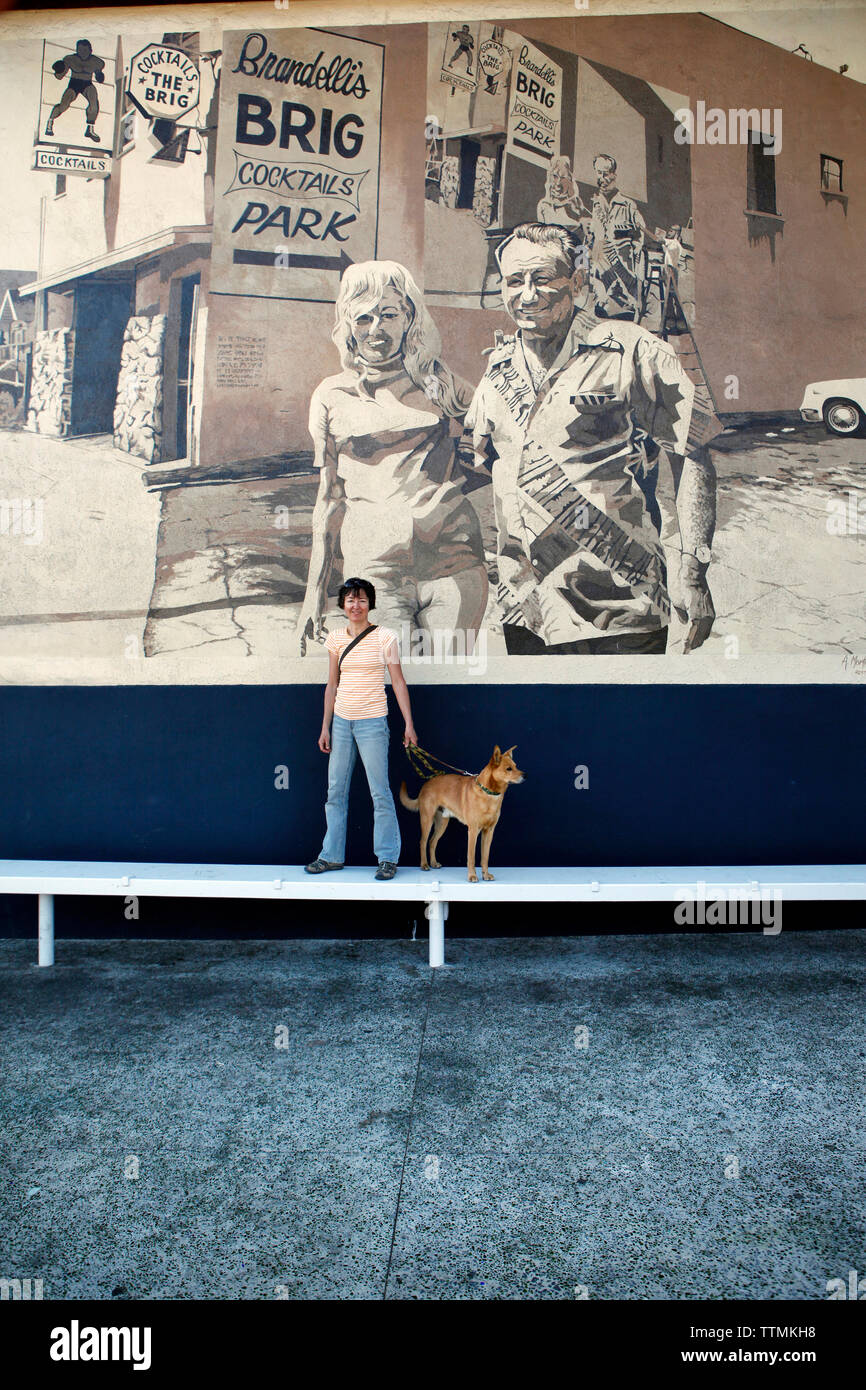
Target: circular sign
(163, 81)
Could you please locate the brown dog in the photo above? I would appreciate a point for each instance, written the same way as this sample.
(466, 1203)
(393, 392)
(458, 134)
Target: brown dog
(476, 801)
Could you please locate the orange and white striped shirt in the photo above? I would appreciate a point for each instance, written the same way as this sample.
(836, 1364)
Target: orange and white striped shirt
(361, 692)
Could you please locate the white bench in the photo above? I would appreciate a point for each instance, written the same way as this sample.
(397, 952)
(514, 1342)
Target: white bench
(436, 888)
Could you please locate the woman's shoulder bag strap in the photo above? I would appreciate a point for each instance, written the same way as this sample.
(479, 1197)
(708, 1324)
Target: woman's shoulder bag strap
(354, 642)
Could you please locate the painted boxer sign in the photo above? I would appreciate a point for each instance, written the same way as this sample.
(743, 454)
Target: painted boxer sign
(76, 108)
(535, 106)
(297, 178)
(459, 59)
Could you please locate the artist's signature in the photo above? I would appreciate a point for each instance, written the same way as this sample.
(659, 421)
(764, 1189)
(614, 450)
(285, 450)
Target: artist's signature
(856, 665)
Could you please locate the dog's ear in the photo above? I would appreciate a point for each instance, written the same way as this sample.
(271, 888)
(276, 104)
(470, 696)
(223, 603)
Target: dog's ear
(497, 756)
(509, 750)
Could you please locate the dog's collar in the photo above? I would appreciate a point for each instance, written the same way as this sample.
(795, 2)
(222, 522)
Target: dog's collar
(486, 789)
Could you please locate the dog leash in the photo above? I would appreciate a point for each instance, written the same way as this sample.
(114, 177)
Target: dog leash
(429, 759)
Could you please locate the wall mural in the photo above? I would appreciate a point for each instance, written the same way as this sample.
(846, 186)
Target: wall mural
(475, 354)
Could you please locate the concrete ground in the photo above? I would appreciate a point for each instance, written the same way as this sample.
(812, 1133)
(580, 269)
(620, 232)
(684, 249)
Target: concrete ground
(655, 1117)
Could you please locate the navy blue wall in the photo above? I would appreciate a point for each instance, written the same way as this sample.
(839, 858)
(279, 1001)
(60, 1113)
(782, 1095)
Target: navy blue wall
(677, 774)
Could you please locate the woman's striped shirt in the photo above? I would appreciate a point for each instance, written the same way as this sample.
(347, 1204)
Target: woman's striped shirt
(361, 692)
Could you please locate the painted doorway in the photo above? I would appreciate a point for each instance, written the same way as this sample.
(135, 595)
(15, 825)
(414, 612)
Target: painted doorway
(189, 291)
(101, 312)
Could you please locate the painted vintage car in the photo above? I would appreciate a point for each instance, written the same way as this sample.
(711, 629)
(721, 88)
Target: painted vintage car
(840, 404)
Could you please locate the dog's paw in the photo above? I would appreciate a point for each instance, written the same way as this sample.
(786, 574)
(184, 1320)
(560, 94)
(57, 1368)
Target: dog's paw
(425, 867)
(473, 878)
(488, 878)
(435, 864)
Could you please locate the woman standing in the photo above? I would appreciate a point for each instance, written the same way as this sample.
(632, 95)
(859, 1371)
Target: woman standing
(386, 461)
(355, 698)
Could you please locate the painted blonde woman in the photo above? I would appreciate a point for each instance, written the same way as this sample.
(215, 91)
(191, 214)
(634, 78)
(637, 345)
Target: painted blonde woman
(389, 480)
(561, 204)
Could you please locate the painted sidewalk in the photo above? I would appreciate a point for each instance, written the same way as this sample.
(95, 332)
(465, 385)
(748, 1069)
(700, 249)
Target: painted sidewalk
(203, 584)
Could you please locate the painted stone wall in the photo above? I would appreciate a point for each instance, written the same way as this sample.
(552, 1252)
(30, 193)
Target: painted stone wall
(482, 202)
(449, 180)
(138, 412)
(51, 382)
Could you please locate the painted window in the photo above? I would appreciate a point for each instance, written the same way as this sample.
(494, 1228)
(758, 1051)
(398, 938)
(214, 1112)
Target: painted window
(831, 174)
(760, 178)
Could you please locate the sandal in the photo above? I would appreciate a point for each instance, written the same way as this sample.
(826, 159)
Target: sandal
(320, 866)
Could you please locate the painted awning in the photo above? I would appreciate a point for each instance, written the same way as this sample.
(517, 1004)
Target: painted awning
(132, 251)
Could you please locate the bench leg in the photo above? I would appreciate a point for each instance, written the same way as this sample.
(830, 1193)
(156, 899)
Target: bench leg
(46, 928)
(436, 913)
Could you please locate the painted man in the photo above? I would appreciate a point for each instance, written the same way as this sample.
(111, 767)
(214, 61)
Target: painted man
(84, 69)
(572, 415)
(617, 235)
(673, 253)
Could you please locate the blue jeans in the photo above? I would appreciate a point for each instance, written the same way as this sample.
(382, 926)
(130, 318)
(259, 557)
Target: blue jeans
(369, 737)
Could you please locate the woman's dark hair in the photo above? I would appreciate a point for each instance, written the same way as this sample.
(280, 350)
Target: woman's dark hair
(352, 586)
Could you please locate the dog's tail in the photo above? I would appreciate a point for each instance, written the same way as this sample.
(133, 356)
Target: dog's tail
(406, 800)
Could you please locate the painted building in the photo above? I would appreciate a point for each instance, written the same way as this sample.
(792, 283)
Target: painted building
(774, 247)
(16, 336)
(16, 312)
(124, 281)
(121, 266)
